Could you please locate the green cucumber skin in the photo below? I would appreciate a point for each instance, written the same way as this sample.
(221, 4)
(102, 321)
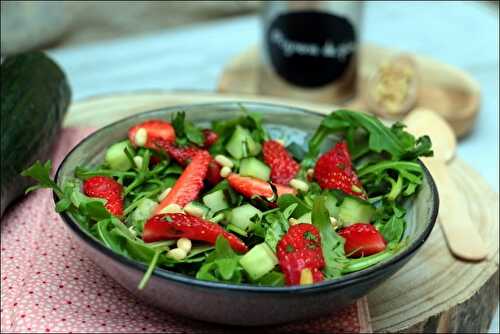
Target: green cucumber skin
(116, 157)
(259, 261)
(353, 211)
(35, 96)
(255, 168)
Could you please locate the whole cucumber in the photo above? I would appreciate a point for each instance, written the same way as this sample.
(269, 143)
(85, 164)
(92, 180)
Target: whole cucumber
(35, 95)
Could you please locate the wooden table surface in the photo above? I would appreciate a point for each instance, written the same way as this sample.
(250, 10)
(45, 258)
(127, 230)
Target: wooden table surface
(461, 34)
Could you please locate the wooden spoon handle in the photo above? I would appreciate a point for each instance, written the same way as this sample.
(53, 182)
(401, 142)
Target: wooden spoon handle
(463, 239)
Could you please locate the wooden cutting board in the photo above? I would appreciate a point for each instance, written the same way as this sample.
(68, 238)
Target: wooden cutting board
(443, 88)
(433, 292)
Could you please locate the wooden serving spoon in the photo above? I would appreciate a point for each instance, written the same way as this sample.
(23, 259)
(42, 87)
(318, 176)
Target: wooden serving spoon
(463, 238)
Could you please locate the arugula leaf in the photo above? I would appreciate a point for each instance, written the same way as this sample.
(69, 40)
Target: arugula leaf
(377, 137)
(149, 272)
(296, 151)
(185, 131)
(278, 226)
(331, 243)
(222, 264)
(41, 173)
(273, 278)
(287, 200)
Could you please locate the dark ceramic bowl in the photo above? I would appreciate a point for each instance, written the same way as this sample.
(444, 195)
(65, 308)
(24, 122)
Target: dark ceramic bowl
(241, 304)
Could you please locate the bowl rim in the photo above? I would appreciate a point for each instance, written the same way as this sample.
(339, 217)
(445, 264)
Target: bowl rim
(334, 284)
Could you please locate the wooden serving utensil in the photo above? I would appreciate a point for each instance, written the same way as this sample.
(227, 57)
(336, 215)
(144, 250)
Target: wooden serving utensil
(462, 236)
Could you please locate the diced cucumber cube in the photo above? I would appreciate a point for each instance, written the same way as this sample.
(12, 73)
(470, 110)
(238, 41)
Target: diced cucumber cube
(241, 216)
(241, 144)
(216, 201)
(254, 167)
(116, 157)
(354, 210)
(259, 261)
(144, 210)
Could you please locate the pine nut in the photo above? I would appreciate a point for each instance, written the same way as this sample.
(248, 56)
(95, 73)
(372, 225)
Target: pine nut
(224, 161)
(293, 221)
(334, 223)
(225, 171)
(310, 173)
(184, 244)
(164, 194)
(356, 189)
(141, 137)
(172, 208)
(138, 161)
(193, 210)
(281, 141)
(177, 254)
(299, 185)
(306, 276)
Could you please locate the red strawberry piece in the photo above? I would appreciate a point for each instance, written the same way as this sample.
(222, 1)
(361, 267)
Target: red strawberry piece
(362, 240)
(250, 186)
(157, 129)
(213, 173)
(210, 138)
(190, 183)
(106, 188)
(179, 225)
(180, 154)
(334, 170)
(154, 160)
(299, 249)
(283, 167)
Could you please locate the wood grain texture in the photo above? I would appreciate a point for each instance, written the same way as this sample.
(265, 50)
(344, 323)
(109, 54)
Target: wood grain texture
(449, 91)
(434, 292)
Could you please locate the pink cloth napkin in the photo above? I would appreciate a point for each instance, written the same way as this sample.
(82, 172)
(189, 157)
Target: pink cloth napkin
(49, 285)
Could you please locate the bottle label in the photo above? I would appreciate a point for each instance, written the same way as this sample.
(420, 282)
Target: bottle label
(310, 49)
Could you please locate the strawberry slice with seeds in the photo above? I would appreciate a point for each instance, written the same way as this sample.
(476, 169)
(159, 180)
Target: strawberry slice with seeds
(250, 186)
(213, 173)
(189, 184)
(362, 240)
(156, 129)
(106, 188)
(299, 249)
(179, 225)
(283, 167)
(334, 170)
(210, 138)
(182, 155)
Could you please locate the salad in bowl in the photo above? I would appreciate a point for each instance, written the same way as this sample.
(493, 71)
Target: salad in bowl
(238, 202)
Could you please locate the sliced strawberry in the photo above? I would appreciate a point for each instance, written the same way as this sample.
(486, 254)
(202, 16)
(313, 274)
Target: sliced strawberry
(362, 240)
(334, 170)
(156, 129)
(250, 186)
(179, 225)
(213, 173)
(106, 188)
(210, 138)
(180, 154)
(283, 167)
(189, 184)
(299, 249)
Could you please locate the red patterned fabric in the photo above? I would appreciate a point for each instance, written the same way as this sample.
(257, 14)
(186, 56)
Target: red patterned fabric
(49, 285)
